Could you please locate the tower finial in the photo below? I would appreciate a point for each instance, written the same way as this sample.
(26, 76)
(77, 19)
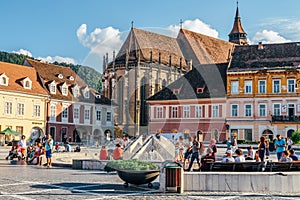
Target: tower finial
(181, 23)
(131, 24)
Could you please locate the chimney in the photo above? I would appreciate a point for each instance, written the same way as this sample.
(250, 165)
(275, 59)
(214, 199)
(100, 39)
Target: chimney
(260, 46)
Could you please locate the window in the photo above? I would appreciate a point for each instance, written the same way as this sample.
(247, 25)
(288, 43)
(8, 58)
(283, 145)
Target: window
(86, 94)
(215, 111)
(108, 116)
(4, 80)
(198, 110)
(52, 88)
(20, 109)
(174, 112)
(37, 110)
(76, 91)
(64, 89)
(234, 87)
(76, 113)
(276, 109)
(262, 110)
(71, 78)
(86, 114)
(186, 111)
(248, 110)
(234, 110)
(65, 112)
(276, 86)
(98, 115)
(159, 112)
(27, 84)
(262, 87)
(8, 108)
(248, 87)
(248, 134)
(53, 111)
(19, 129)
(291, 85)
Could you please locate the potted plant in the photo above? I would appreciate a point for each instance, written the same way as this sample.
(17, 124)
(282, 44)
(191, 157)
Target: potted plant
(136, 172)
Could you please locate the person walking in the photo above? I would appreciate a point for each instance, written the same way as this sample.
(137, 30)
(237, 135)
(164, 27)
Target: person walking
(195, 153)
(289, 143)
(280, 146)
(23, 146)
(48, 150)
(262, 148)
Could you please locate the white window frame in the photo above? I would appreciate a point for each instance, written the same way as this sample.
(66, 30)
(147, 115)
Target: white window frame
(27, 80)
(52, 112)
(4, 80)
(262, 86)
(247, 110)
(36, 110)
(186, 111)
(215, 111)
(65, 112)
(274, 89)
(20, 109)
(8, 108)
(174, 113)
(64, 89)
(52, 88)
(159, 112)
(108, 116)
(248, 87)
(291, 86)
(98, 115)
(260, 109)
(279, 109)
(234, 88)
(198, 111)
(234, 110)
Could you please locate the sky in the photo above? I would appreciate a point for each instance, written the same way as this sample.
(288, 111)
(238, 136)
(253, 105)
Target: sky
(81, 32)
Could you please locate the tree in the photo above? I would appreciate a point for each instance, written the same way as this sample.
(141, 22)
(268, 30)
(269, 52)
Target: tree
(296, 137)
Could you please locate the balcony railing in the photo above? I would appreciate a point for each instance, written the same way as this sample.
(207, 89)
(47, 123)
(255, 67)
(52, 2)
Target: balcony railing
(284, 118)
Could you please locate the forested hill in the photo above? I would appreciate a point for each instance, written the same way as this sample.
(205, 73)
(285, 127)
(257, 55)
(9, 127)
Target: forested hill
(88, 74)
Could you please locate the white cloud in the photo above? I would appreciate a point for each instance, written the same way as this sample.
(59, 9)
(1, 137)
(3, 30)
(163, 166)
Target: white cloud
(194, 25)
(59, 59)
(100, 41)
(268, 36)
(23, 52)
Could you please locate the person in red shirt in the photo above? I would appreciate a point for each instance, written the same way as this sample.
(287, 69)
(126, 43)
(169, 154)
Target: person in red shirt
(118, 152)
(103, 153)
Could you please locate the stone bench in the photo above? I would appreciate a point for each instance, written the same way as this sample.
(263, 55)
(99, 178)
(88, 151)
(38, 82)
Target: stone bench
(89, 164)
(282, 166)
(232, 166)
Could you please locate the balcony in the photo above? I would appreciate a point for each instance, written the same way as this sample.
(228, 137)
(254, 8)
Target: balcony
(285, 118)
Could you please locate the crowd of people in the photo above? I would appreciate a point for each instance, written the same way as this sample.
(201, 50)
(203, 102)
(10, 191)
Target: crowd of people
(117, 154)
(193, 150)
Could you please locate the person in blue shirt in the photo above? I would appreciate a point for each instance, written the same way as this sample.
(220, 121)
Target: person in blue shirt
(48, 148)
(280, 146)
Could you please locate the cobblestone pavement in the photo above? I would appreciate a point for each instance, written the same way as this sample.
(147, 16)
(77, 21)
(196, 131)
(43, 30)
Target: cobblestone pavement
(31, 182)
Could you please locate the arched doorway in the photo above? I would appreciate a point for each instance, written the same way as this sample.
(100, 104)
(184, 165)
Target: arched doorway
(35, 133)
(268, 134)
(290, 132)
(76, 135)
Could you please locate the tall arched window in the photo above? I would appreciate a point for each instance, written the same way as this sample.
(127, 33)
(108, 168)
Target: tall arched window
(144, 108)
(120, 98)
(164, 83)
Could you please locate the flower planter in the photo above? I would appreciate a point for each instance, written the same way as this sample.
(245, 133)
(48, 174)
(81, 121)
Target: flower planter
(138, 177)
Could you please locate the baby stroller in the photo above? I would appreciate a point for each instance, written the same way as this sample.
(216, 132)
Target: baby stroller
(15, 152)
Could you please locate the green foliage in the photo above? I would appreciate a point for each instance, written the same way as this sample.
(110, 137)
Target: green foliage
(13, 58)
(296, 137)
(116, 165)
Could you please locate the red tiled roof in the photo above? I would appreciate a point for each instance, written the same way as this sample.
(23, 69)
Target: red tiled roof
(16, 74)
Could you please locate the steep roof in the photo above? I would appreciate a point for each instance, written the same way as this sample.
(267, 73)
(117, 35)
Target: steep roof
(147, 42)
(237, 25)
(203, 81)
(265, 55)
(61, 75)
(203, 49)
(16, 74)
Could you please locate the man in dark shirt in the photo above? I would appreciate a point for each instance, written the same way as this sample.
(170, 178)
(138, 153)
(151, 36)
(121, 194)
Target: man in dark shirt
(207, 158)
(195, 153)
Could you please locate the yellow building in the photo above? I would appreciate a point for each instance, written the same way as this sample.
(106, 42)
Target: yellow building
(22, 101)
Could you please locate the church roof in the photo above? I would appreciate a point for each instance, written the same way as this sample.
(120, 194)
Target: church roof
(203, 81)
(203, 49)
(146, 42)
(265, 55)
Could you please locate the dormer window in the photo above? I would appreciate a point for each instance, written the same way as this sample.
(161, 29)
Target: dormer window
(200, 90)
(52, 87)
(71, 78)
(86, 93)
(98, 96)
(3, 80)
(176, 91)
(64, 89)
(27, 83)
(60, 76)
(76, 91)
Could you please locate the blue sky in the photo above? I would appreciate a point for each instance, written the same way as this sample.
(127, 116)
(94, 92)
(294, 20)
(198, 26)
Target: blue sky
(82, 31)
